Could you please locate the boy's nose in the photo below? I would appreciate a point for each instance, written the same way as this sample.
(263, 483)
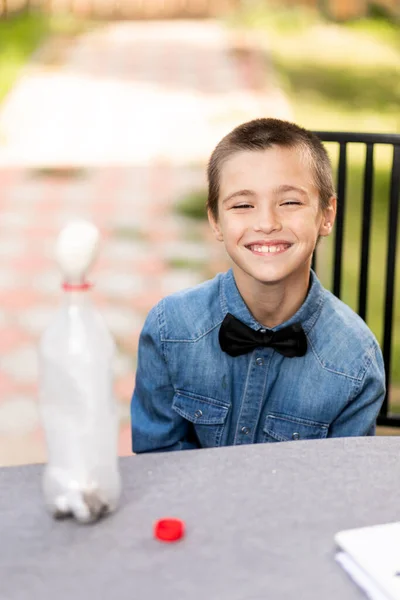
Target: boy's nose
(267, 221)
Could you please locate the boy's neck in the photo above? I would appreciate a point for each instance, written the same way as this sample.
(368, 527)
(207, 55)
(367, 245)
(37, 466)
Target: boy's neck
(275, 303)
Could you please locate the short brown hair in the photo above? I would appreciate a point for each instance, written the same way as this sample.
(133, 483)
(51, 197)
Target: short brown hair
(261, 134)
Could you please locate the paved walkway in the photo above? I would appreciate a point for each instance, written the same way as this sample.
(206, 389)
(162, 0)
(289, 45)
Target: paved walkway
(118, 131)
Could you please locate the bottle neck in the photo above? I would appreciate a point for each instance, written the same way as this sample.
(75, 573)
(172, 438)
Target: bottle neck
(77, 294)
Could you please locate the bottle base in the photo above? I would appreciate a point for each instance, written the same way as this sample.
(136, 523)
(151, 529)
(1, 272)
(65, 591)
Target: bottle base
(84, 506)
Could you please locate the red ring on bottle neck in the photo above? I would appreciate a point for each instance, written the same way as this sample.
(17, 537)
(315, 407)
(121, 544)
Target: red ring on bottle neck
(79, 287)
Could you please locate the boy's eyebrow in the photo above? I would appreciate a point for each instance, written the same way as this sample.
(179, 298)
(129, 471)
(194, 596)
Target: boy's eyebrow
(281, 189)
(238, 193)
(290, 188)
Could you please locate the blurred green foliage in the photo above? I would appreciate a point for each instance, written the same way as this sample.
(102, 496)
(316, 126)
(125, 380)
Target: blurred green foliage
(258, 14)
(370, 88)
(193, 205)
(345, 74)
(22, 33)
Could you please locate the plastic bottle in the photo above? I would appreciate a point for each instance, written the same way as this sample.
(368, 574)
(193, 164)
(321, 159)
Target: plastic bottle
(78, 410)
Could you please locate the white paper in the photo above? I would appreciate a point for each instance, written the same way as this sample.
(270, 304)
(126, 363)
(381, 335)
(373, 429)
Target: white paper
(359, 577)
(371, 556)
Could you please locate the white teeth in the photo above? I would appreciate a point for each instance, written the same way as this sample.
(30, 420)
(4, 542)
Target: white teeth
(269, 249)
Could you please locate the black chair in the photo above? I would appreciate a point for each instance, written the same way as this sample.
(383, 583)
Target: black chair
(370, 140)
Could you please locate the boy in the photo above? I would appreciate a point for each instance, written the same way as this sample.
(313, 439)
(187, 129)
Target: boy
(261, 353)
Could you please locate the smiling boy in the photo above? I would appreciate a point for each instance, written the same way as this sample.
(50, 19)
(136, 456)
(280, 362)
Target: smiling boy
(263, 352)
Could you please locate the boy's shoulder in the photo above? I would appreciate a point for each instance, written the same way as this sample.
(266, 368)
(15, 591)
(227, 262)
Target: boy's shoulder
(336, 314)
(191, 313)
(342, 340)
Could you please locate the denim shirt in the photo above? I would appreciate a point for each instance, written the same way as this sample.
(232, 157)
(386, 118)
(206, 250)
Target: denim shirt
(190, 394)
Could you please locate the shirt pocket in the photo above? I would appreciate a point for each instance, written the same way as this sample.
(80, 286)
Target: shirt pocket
(208, 416)
(279, 428)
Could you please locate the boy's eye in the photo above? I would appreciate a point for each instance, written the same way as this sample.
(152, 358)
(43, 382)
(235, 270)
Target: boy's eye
(243, 206)
(289, 202)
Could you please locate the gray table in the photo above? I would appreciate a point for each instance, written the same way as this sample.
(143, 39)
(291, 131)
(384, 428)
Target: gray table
(260, 523)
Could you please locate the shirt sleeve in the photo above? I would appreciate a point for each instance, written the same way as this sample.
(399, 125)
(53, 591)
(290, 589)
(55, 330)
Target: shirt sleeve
(156, 426)
(358, 418)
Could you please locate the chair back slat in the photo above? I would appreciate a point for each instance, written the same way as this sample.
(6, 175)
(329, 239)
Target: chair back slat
(341, 190)
(366, 230)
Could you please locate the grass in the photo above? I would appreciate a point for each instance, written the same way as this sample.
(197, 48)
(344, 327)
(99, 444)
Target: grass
(343, 75)
(21, 34)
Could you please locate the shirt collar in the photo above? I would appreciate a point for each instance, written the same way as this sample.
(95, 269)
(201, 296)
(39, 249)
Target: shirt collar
(232, 302)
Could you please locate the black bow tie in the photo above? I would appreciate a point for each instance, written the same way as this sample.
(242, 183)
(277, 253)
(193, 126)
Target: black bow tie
(237, 338)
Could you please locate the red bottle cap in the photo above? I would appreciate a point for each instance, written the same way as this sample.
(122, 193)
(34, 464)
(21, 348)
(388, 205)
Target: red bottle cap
(169, 530)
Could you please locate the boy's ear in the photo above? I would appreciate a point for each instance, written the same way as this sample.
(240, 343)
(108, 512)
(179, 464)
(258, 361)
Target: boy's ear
(215, 226)
(328, 219)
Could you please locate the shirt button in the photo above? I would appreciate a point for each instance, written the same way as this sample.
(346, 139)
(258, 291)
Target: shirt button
(245, 430)
(198, 413)
(263, 330)
(296, 436)
(260, 361)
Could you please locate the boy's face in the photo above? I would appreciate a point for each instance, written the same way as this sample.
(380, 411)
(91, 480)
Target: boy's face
(269, 214)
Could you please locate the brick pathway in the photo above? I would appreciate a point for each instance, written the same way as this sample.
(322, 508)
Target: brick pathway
(118, 132)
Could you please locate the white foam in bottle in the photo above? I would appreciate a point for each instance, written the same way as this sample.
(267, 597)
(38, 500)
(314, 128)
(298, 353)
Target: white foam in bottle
(78, 409)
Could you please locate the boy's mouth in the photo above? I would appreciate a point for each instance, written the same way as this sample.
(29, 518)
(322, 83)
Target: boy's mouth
(262, 249)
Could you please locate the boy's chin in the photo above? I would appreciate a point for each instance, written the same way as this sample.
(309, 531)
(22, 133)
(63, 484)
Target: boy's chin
(272, 276)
